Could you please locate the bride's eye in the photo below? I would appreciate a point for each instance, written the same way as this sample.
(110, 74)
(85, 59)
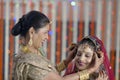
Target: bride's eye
(87, 56)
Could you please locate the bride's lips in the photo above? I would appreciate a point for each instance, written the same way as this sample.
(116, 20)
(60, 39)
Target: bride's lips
(81, 63)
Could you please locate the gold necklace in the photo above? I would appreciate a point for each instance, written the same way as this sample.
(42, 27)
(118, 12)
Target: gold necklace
(25, 49)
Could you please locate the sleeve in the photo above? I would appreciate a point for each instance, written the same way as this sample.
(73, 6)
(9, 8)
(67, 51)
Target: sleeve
(20, 71)
(32, 67)
(25, 71)
(37, 73)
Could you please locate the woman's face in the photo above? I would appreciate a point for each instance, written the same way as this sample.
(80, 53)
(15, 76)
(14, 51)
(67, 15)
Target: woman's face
(83, 57)
(40, 36)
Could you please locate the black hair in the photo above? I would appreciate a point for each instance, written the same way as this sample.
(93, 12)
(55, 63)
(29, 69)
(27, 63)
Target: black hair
(33, 19)
(89, 42)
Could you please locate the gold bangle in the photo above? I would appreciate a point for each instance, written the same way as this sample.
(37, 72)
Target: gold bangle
(83, 75)
(61, 66)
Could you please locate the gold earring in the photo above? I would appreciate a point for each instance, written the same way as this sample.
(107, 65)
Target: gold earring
(30, 42)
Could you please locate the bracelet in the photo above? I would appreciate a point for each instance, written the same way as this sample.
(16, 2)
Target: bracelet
(83, 75)
(61, 66)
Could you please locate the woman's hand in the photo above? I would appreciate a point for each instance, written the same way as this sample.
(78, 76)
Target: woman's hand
(98, 61)
(102, 76)
(72, 50)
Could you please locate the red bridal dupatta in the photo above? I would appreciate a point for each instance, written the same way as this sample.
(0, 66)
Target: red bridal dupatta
(71, 67)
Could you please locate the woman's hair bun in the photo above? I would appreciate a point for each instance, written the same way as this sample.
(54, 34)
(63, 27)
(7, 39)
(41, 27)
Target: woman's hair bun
(16, 30)
(19, 27)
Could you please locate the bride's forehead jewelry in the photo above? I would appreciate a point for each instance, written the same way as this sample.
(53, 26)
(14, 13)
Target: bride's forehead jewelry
(83, 46)
(94, 41)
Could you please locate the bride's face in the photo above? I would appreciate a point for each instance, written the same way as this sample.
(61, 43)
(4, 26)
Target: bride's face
(84, 57)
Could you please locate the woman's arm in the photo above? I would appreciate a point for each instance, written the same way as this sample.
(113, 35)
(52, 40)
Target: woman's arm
(82, 75)
(55, 76)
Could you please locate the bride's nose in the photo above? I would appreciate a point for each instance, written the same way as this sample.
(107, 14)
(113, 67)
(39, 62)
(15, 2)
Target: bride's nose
(82, 58)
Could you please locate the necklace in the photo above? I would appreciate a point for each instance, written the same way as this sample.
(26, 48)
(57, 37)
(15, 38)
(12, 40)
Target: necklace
(25, 49)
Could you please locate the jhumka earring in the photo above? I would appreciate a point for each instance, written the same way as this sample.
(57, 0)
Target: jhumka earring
(30, 42)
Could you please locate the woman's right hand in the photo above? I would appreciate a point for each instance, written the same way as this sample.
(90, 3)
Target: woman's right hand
(72, 50)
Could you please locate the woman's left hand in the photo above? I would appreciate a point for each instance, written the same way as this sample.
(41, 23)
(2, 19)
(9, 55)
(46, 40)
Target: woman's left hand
(98, 61)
